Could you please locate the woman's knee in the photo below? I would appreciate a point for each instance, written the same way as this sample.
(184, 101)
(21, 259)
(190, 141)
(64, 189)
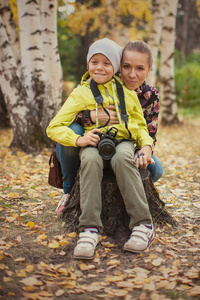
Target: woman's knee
(156, 170)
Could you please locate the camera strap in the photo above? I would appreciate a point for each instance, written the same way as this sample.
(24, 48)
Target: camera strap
(124, 115)
(99, 99)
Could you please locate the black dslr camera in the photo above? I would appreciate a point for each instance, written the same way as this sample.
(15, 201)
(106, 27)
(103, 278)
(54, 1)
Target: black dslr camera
(107, 143)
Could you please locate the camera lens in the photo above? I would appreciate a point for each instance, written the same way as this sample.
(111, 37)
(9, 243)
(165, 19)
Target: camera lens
(106, 148)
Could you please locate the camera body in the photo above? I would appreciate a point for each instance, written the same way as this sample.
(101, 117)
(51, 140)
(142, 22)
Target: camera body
(107, 143)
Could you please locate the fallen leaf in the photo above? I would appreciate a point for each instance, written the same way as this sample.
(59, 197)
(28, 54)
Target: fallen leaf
(54, 244)
(30, 224)
(59, 293)
(32, 281)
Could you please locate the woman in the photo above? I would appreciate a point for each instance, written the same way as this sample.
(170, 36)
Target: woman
(136, 63)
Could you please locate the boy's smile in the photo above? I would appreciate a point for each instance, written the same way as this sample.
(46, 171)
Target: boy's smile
(100, 69)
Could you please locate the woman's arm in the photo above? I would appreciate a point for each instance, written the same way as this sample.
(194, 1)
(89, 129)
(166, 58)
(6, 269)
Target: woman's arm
(149, 100)
(87, 118)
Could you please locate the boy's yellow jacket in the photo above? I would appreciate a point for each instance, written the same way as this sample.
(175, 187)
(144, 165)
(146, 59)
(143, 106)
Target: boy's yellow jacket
(82, 99)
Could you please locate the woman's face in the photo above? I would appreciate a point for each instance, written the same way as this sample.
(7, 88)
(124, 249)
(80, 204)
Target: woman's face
(134, 68)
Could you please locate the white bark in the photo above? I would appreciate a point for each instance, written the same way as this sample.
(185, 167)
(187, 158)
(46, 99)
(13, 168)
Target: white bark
(16, 98)
(158, 11)
(31, 50)
(52, 63)
(168, 104)
(9, 24)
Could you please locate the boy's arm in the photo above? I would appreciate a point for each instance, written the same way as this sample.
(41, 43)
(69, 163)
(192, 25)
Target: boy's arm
(58, 129)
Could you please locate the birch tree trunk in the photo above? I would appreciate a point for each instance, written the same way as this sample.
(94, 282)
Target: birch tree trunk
(9, 24)
(169, 106)
(158, 11)
(53, 70)
(16, 98)
(33, 93)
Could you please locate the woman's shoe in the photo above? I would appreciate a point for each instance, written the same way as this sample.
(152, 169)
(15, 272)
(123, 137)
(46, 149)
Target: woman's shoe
(141, 238)
(62, 204)
(86, 245)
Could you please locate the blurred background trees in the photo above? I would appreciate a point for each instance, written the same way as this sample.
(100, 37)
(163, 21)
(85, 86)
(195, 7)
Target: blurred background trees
(125, 20)
(171, 27)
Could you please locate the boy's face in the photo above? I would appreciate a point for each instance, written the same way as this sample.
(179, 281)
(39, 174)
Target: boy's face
(100, 68)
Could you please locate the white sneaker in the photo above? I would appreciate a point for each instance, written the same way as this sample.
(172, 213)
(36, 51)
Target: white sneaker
(86, 245)
(62, 204)
(141, 238)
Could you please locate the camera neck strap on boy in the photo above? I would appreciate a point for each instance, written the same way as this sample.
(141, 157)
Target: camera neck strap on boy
(99, 100)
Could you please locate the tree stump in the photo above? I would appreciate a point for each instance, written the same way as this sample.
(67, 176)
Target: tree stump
(114, 216)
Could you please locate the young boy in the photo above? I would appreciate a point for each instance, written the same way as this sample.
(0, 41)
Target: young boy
(103, 62)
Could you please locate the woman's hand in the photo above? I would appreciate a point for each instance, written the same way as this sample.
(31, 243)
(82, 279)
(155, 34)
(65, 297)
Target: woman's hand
(90, 138)
(103, 117)
(144, 157)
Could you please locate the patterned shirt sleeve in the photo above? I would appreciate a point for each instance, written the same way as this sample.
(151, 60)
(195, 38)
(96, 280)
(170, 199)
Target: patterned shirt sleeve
(149, 100)
(83, 118)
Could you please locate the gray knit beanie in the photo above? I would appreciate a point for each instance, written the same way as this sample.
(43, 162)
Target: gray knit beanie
(108, 48)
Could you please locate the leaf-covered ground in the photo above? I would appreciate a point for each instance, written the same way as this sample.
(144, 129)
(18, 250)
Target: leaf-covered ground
(36, 252)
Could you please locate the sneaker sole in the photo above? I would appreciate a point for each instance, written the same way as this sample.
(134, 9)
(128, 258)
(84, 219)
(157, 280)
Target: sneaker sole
(84, 257)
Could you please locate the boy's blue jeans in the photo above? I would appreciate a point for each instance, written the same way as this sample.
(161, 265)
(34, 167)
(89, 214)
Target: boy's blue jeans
(70, 162)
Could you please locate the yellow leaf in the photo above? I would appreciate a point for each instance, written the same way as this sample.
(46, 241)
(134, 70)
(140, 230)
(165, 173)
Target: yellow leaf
(69, 284)
(45, 294)
(12, 195)
(52, 195)
(41, 237)
(21, 273)
(54, 244)
(32, 281)
(20, 259)
(11, 294)
(59, 293)
(125, 284)
(7, 279)
(85, 267)
(195, 291)
(72, 234)
(113, 262)
(117, 293)
(33, 296)
(29, 288)
(10, 219)
(30, 224)
(1, 257)
(115, 278)
(64, 242)
(157, 262)
(29, 268)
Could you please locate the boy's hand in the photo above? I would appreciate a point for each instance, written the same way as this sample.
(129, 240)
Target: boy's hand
(143, 157)
(103, 117)
(90, 138)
